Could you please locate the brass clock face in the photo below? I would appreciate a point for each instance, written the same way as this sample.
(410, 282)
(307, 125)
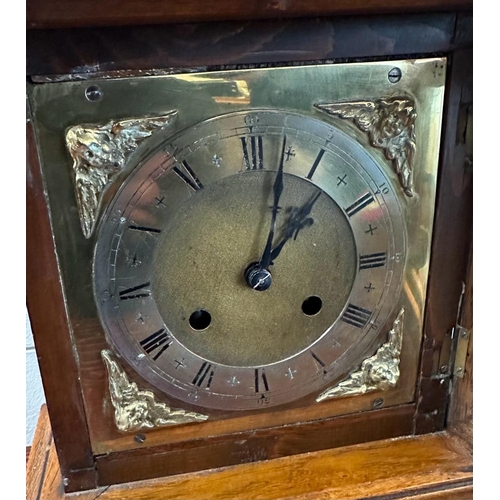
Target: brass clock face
(249, 260)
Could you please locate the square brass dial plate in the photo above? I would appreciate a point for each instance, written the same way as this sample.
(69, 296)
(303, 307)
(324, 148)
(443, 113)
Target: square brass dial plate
(391, 110)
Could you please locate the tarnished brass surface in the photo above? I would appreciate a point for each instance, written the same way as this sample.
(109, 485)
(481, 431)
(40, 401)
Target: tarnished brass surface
(390, 124)
(223, 230)
(377, 373)
(135, 409)
(99, 154)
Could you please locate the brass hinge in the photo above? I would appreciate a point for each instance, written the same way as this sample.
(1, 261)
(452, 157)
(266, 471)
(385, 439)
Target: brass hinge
(461, 336)
(454, 352)
(454, 347)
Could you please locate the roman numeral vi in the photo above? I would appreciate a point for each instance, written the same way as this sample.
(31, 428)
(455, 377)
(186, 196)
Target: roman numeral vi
(260, 374)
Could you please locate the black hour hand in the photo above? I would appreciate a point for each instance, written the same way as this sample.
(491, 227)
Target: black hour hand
(298, 220)
(265, 261)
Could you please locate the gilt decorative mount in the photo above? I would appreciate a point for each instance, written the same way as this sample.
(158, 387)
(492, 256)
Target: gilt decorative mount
(99, 154)
(136, 409)
(377, 373)
(390, 125)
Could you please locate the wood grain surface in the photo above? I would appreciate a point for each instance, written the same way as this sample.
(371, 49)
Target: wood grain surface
(393, 468)
(226, 449)
(42, 470)
(73, 13)
(140, 50)
(432, 467)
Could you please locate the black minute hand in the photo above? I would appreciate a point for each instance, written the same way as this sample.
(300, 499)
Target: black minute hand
(298, 220)
(265, 261)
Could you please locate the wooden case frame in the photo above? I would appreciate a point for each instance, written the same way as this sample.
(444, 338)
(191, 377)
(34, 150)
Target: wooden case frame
(367, 37)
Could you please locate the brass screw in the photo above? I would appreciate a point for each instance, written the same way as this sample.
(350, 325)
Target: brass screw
(140, 438)
(394, 75)
(93, 93)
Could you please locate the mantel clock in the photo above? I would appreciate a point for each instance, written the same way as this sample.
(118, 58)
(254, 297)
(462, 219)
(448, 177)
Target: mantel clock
(241, 251)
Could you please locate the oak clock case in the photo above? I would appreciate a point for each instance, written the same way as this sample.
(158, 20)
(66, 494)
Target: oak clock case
(257, 244)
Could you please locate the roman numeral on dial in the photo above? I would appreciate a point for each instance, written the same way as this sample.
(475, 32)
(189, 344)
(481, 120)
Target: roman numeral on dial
(204, 376)
(158, 341)
(315, 164)
(261, 380)
(141, 290)
(358, 205)
(253, 152)
(372, 260)
(356, 316)
(319, 364)
(186, 173)
(144, 228)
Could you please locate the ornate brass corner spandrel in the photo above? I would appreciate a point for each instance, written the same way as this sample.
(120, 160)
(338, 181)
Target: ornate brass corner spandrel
(99, 154)
(377, 373)
(390, 125)
(136, 409)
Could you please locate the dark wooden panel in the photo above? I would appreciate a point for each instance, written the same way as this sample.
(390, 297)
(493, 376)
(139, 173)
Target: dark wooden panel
(252, 446)
(450, 247)
(81, 53)
(51, 334)
(453, 220)
(459, 418)
(73, 13)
